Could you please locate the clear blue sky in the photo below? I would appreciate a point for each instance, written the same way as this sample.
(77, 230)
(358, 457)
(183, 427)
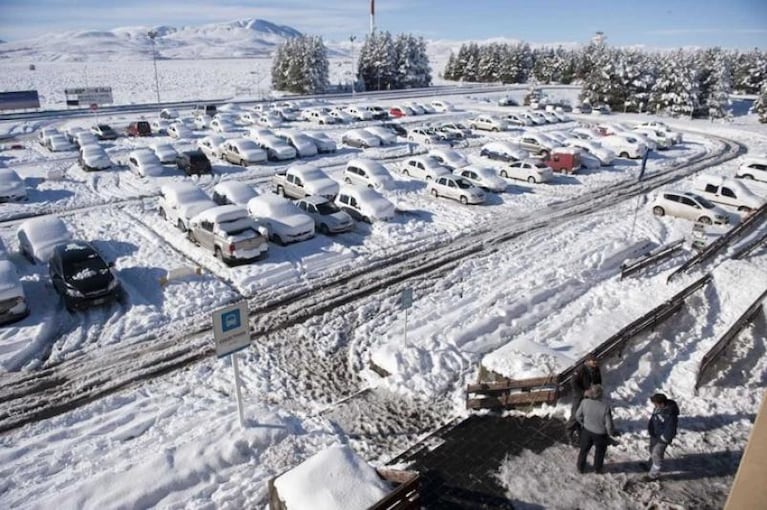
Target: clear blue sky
(655, 23)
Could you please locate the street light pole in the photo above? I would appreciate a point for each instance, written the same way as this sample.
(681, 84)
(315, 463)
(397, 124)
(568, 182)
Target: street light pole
(152, 34)
(351, 40)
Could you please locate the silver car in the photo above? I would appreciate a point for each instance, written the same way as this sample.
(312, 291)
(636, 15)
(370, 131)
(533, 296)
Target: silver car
(328, 217)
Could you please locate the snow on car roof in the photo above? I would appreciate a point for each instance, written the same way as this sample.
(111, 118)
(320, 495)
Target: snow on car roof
(271, 203)
(222, 213)
(374, 167)
(44, 229)
(9, 176)
(235, 189)
(308, 172)
(181, 188)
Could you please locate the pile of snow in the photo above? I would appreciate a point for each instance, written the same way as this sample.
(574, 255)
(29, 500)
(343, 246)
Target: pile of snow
(331, 479)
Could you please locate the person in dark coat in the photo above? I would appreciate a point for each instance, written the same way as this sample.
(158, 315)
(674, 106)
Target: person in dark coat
(662, 429)
(596, 421)
(586, 376)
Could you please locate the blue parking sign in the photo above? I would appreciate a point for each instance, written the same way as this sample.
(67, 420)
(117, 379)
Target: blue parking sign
(230, 320)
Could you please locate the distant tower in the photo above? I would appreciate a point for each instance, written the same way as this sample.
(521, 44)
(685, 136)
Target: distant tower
(372, 16)
(599, 38)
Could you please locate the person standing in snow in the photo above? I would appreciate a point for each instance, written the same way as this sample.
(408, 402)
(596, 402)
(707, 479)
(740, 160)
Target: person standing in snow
(596, 421)
(587, 375)
(662, 429)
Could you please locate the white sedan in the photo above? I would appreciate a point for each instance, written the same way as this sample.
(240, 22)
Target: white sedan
(423, 167)
(423, 136)
(603, 154)
(39, 236)
(11, 186)
(212, 146)
(145, 163)
(165, 152)
(179, 131)
(222, 126)
(94, 157)
(453, 186)
(689, 206)
(387, 136)
(483, 177)
(360, 138)
(531, 170)
(449, 158)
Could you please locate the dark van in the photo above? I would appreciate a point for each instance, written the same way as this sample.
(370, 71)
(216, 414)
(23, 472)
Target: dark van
(208, 110)
(193, 163)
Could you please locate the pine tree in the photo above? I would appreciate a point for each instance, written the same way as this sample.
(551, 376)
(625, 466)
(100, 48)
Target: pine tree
(449, 72)
(676, 90)
(760, 105)
(395, 63)
(301, 65)
(718, 99)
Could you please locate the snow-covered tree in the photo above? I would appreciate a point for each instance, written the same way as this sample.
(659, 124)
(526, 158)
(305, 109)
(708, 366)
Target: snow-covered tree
(394, 63)
(301, 65)
(750, 71)
(760, 105)
(717, 99)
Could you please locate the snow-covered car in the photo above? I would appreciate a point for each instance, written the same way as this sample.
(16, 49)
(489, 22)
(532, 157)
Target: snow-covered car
(229, 232)
(249, 117)
(181, 201)
(456, 128)
(39, 236)
(585, 133)
(328, 217)
(318, 117)
(59, 143)
(85, 138)
(304, 145)
(662, 126)
(661, 139)
(242, 151)
(503, 151)
(71, 132)
(287, 113)
(378, 112)
(387, 136)
(562, 117)
(538, 143)
(45, 133)
(359, 112)
(222, 126)
(688, 206)
(423, 136)
(144, 162)
(13, 302)
(401, 111)
(275, 147)
(726, 191)
(488, 123)
(212, 146)
(168, 113)
(483, 177)
(531, 170)
(93, 157)
(324, 143)
(298, 181)
(456, 188)
(285, 222)
(341, 116)
(269, 119)
(160, 126)
(193, 162)
(603, 154)
(423, 167)
(752, 168)
(515, 119)
(536, 120)
(179, 131)
(201, 121)
(165, 152)
(82, 277)
(549, 117)
(449, 158)
(442, 106)
(11, 186)
(104, 132)
(366, 172)
(233, 192)
(625, 145)
(360, 138)
(365, 204)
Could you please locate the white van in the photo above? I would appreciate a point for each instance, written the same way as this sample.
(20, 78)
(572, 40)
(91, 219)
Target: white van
(728, 192)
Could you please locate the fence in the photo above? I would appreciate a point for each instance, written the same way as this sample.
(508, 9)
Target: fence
(651, 258)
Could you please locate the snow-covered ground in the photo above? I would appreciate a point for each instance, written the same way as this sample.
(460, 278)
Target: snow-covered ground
(534, 304)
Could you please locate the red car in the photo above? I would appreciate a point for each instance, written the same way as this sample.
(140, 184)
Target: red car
(140, 128)
(564, 160)
(397, 112)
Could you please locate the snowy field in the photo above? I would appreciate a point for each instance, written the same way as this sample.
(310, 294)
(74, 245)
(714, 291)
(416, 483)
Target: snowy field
(533, 305)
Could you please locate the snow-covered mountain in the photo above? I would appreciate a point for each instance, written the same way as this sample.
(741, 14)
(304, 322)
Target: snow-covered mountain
(235, 39)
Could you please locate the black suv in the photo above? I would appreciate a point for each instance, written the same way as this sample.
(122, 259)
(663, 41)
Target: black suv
(193, 162)
(82, 277)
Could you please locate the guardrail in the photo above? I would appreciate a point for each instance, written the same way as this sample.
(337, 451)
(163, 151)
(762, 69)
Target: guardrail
(650, 258)
(750, 247)
(508, 393)
(719, 347)
(713, 248)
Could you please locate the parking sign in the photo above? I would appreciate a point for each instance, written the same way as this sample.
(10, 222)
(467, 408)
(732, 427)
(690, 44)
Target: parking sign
(230, 328)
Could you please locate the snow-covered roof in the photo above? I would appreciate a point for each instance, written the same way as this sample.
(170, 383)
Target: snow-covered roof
(331, 479)
(45, 229)
(222, 213)
(10, 286)
(238, 191)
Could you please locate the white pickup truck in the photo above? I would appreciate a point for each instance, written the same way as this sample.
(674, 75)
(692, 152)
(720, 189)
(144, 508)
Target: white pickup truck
(229, 233)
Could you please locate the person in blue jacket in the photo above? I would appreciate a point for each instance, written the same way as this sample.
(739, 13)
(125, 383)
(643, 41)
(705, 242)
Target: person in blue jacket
(662, 429)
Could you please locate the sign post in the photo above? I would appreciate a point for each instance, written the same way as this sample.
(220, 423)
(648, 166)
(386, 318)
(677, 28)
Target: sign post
(230, 330)
(406, 301)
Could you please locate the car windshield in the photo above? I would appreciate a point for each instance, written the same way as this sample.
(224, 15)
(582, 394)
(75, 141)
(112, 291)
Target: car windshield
(705, 203)
(83, 263)
(103, 127)
(247, 145)
(463, 184)
(540, 165)
(327, 208)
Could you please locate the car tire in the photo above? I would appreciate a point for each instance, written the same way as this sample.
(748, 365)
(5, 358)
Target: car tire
(243, 162)
(504, 174)
(181, 226)
(495, 129)
(748, 176)
(531, 180)
(218, 254)
(434, 193)
(705, 220)
(745, 209)
(347, 180)
(428, 177)
(277, 239)
(406, 173)
(624, 155)
(464, 200)
(658, 211)
(162, 214)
